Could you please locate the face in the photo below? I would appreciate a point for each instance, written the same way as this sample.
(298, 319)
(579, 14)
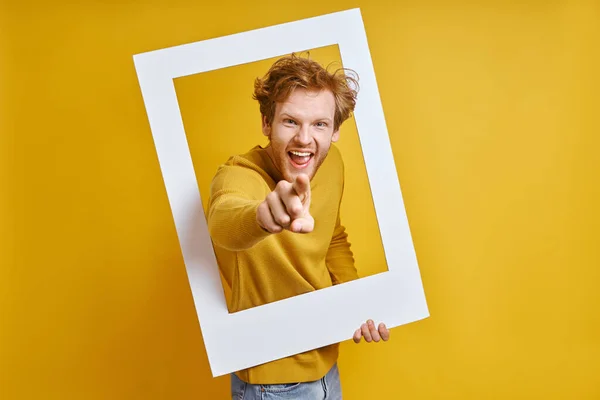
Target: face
(301, 132)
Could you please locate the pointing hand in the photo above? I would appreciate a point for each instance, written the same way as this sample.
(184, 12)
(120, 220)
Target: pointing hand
(287, 207)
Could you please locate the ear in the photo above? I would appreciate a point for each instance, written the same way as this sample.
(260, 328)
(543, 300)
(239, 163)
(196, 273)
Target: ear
(266, 127)
(336, 136)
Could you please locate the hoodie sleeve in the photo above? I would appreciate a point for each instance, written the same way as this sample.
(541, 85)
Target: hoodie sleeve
(340, 259)
(235, 195)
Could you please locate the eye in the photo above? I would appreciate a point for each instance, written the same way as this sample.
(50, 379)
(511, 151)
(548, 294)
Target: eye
(289, 121)
(322, 124)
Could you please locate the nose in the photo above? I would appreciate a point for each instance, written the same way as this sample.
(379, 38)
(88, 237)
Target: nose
(303, 137)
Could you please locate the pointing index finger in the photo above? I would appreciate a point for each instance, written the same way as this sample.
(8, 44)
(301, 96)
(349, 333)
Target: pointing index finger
(302, 187)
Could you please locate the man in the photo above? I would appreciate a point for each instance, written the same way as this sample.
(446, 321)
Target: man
(274, 218)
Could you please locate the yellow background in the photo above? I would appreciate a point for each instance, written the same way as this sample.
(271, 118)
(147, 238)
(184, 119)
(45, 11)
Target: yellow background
(492, 113)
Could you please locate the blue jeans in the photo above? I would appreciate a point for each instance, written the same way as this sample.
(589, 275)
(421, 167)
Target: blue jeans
(326, 388)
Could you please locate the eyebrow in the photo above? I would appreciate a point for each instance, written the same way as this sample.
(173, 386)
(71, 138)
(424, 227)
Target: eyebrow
(286, 115)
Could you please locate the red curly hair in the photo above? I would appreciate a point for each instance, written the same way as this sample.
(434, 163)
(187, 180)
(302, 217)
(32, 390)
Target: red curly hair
(291, 72)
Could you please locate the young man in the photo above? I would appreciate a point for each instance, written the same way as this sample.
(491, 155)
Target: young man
(274, 218)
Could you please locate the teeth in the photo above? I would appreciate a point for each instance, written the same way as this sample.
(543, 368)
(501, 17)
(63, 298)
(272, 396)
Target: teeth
(299, 153)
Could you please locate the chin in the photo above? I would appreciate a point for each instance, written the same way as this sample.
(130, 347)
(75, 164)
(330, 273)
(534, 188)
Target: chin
(290, 176)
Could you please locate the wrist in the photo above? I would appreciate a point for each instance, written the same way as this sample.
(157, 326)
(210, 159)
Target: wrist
(259, 219)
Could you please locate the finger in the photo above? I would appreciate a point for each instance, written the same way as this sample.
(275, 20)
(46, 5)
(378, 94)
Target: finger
(384, 332)
(373, 331)
(265, 219)
(357, 336)
(301, 186)
(303, 225)
(293, 205)
(277, 210)
(365, 332)
(290, 199)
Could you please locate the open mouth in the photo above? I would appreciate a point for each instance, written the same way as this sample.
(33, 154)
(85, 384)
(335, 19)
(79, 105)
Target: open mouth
(300, 159)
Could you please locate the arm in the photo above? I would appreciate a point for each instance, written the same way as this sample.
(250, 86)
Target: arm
(340, 263)
(235, 196)
(339, 259)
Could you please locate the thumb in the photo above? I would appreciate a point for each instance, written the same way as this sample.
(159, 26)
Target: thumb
(301, 186)
(303, 225)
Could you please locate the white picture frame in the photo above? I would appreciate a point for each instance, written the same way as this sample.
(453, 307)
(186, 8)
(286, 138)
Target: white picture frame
(236, 341)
